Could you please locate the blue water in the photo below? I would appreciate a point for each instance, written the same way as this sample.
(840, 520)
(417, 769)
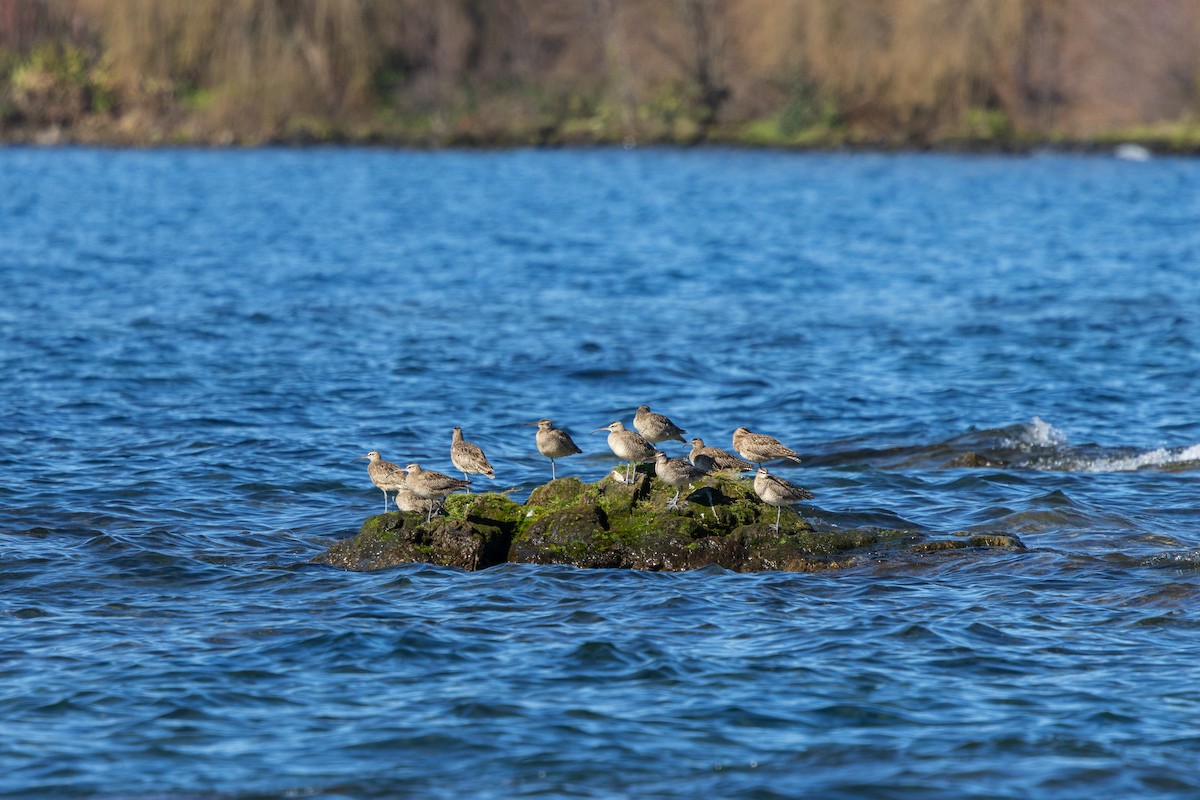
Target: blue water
(195, 346)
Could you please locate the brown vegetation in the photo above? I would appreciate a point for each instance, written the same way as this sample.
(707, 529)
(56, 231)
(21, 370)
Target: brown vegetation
(819, 72)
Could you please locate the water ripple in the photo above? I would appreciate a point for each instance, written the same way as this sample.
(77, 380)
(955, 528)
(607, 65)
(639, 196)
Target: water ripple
(197, 345)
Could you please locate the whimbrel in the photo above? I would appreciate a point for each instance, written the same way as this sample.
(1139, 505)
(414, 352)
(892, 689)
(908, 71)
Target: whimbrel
(714, 459)
(775, 491)
(675, 472)
(384, 474)
(758, 447)
(627, 445)
(656, 428)
(431, 485)
(553, 443)
(468, 458)
(407, 500)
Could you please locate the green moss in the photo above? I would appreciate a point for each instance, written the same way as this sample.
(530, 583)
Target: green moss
(825, 544)
(995, 540)
(573, 535)
(559, 493)
(613, 524)
(489, 506)
(384, 526)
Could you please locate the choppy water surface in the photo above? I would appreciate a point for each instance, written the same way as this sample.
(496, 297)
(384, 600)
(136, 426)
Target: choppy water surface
(195, 345)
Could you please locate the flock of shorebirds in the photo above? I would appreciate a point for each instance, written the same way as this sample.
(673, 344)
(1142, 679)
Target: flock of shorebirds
(422, 490)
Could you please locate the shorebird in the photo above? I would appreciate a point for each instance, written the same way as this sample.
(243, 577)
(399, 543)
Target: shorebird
(431, 485)
(407, 500)
(384, 474)
(675, 472)
(656, 428)
(758, 447)
(553, 442)
(627, 445)
(468, 458)
(775, 491)
(713, 459)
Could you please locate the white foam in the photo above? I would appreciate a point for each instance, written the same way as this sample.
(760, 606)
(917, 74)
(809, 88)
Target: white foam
(1151, 458)
(1037, 433)
(1045, 434)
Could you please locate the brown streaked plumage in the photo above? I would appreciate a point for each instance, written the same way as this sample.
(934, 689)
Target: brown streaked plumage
(432, 485)
(656, 428)
(407, 500)
(775, 491)
(386, 476)
(758, 447)
(553, 443)
(714, 459)
(468, 458)
(675, 472)
(627, 445)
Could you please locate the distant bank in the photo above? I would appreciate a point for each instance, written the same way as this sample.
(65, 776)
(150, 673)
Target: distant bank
(149, 133)
(894, 74)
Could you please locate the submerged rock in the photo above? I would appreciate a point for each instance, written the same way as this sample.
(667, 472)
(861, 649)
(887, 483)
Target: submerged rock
(628, 526)
(971, 460)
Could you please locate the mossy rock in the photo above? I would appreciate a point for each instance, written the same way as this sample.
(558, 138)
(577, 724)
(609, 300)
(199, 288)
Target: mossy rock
(621, 525)
(387, 540)
(491, 508)
(967, 540)
(559, 493)
(573, 535)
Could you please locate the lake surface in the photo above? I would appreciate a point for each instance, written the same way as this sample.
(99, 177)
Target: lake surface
(195, 346)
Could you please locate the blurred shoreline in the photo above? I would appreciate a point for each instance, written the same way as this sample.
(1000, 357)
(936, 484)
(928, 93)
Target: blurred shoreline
(948, 75)
(106, 134)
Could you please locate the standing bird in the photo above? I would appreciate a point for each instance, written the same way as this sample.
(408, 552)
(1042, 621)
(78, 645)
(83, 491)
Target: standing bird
(656, 428)
(627, 445)
(431, 485)
(758, 447)
(675, 472)
(553, 443)
(407, 500)
(384, 474)
(468, 458)
(714, 459)
(775, 491)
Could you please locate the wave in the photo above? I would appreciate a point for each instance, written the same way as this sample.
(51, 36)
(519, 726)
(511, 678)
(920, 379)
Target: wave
(1049, 449)
(1032, 445)
(1188, 457)
(1039, 433)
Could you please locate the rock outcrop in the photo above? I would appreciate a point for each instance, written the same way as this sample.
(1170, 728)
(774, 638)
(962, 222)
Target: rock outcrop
(628, 526)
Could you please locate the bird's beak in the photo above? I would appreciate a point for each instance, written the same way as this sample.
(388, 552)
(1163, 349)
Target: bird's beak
(359, 458)
(529, 424)
(600, 429)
